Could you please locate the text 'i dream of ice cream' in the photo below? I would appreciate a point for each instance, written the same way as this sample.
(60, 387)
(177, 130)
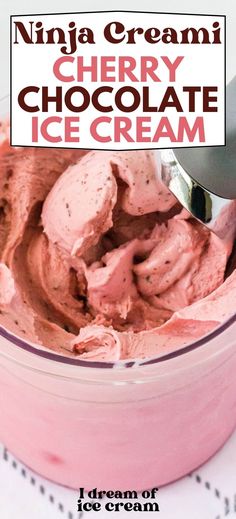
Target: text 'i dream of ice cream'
(109, 70)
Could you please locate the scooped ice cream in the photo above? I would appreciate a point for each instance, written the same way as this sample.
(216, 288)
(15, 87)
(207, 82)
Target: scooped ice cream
(99, 260)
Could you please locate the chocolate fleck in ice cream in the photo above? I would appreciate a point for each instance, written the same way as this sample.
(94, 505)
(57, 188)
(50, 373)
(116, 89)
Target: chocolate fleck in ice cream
(98, 260)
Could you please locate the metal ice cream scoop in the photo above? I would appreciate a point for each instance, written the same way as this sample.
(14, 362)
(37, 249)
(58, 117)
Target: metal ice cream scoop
(204, 179)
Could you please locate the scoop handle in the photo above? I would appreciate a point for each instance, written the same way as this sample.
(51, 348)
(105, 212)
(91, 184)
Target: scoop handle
(214, 168)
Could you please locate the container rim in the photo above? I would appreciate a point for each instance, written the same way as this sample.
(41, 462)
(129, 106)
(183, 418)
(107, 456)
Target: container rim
(47, 354)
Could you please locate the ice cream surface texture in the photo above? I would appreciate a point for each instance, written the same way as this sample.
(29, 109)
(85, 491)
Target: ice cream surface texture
(98, 260)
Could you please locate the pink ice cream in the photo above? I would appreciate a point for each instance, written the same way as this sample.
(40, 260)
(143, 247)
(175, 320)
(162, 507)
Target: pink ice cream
(98, 259)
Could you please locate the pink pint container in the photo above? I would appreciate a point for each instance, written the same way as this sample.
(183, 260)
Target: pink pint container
(128, 425)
